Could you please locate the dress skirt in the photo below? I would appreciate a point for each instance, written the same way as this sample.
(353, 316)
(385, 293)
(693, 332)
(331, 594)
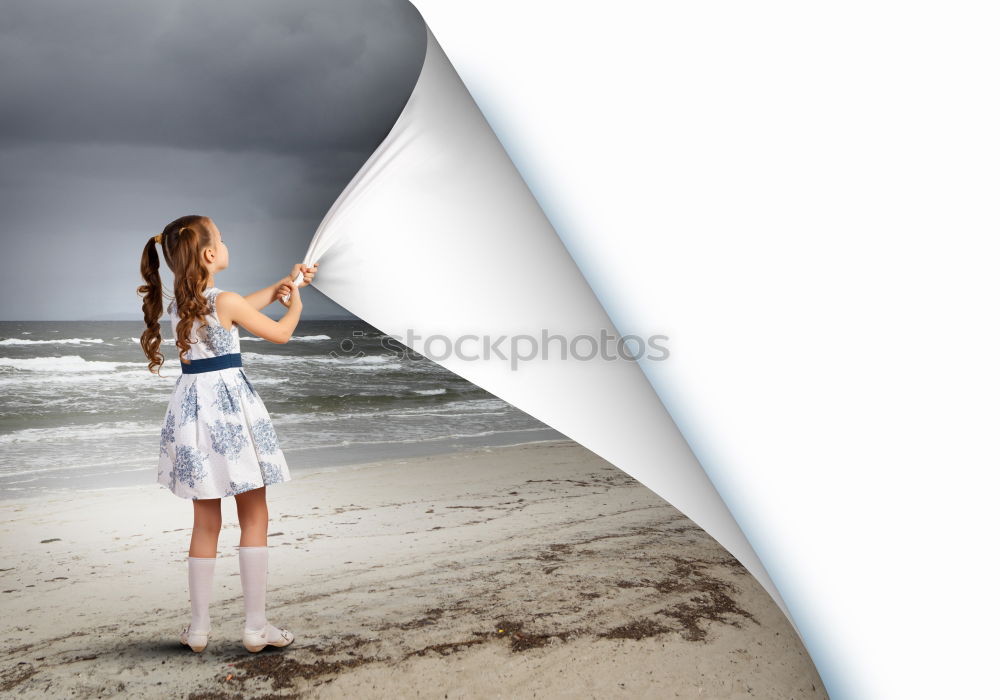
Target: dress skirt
(217, 438)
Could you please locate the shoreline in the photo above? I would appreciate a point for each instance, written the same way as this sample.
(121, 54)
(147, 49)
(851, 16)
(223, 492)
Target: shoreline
(300, 460)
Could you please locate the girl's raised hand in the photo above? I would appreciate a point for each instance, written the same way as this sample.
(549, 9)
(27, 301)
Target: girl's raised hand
(307, 272)
(286, 287)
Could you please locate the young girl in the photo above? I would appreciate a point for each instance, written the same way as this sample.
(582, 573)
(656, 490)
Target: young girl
(217, 438)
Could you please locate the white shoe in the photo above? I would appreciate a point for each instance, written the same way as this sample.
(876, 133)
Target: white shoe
(196, 640)
(255, 640)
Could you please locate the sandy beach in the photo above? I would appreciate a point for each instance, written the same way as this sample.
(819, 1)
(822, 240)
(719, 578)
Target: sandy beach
(536, 570)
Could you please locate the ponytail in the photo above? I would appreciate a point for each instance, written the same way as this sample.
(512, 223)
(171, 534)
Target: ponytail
(152, 305)
(182, 241)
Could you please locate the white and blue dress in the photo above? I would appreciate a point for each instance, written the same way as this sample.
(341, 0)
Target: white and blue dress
(217, 438)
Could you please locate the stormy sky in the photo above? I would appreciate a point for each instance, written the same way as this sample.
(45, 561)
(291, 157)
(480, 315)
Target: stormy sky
(118, 117)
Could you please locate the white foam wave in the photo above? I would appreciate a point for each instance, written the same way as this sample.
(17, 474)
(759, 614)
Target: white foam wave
(310, 338)
(304, 338)
(64, 363)
(134, 379)
(74, 371)
(452, 409)
(367, 359)
(73, 433)
(367, 362)
(347, 442)
(65, 341)
(166, 341)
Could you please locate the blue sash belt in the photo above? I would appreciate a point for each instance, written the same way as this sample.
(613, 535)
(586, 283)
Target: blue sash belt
(211, 364)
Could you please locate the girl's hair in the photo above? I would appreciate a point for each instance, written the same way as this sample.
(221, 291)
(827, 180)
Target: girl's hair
(182, 241)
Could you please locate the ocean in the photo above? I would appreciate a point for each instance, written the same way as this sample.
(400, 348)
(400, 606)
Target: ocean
(80, 410)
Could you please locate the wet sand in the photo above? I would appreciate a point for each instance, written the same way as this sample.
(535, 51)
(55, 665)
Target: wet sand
(535, 570)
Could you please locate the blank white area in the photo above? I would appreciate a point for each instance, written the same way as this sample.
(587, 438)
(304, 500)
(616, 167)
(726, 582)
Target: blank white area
(804, 198)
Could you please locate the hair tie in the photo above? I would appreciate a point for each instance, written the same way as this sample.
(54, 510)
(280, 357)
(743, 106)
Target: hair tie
(157, 237)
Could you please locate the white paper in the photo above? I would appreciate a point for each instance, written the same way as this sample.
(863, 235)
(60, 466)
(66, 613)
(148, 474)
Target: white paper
(438, 234)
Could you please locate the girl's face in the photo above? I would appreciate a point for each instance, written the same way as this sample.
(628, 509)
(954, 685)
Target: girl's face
(221, 260)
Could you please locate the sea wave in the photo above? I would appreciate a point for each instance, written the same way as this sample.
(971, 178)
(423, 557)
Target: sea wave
(164, 341)
(254, 339)
(358, 442)
(64, 363)
(301, 338)
(39, 384)
(64, 341)
(366, 362)
(452, 409)
(91, 431)
(310, 338)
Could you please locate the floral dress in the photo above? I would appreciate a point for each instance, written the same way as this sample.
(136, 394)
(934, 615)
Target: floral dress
(217, 438)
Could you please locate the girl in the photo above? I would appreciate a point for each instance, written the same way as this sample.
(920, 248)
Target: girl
(217, 438)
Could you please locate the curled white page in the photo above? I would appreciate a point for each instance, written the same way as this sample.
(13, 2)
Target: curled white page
(438, 235)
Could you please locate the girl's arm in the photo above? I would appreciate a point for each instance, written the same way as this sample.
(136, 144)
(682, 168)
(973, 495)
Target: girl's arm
(235, 308)
(263, 297)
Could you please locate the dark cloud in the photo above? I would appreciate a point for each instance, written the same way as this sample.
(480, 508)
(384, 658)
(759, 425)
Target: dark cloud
(118, 117)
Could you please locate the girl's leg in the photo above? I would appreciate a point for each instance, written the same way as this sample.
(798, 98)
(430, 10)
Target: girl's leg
(251, 508)
(257, 631)
(201, 565)
(207, 524)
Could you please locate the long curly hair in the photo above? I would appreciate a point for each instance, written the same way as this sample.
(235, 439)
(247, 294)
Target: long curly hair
(182, 241)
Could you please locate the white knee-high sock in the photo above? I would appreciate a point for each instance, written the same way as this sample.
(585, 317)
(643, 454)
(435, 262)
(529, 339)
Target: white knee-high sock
(201, 572)
(253, 578)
